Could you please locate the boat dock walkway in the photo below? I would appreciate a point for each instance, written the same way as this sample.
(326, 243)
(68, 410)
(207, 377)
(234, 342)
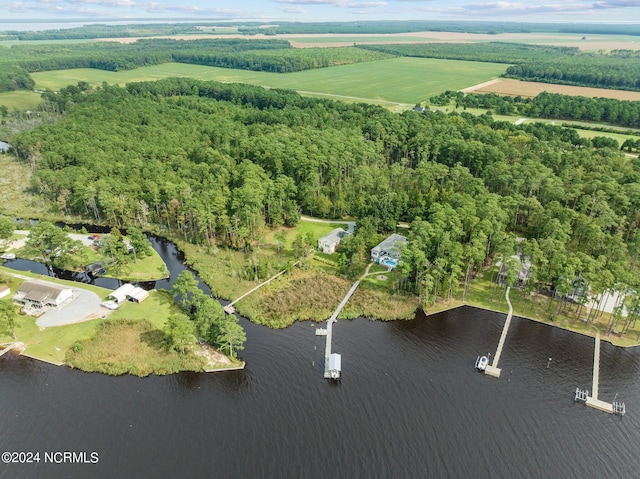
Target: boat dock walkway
(229, 309)
(493, 369)
(7, 349)
(593, 401)
(334, 317)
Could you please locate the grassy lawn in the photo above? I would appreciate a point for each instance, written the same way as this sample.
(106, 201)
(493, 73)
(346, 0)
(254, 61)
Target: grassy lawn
(400, 80)
(149, 268)
(156, 309)
(20, 100)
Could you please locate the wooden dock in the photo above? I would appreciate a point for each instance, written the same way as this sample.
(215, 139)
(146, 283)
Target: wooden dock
(333, 319)
(229, 309)
(593, 401)
(493, 369)
(7, 349)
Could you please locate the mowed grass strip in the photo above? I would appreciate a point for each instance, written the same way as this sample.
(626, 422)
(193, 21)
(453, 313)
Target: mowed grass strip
(400, 80)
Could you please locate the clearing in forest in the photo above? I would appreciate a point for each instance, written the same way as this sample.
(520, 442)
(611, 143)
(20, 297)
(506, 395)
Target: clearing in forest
(531, 89)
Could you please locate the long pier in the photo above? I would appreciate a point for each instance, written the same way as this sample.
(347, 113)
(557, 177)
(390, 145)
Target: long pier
(334, 318)
(593, 400)
(493, 369)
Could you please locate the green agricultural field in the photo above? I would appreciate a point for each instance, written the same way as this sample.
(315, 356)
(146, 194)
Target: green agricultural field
(20, 100)
(398, 80)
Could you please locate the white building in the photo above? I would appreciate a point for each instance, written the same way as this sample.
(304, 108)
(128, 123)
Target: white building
(36, 294)
(129, 292)
(137, 295)
(120, 295)
(329, 242)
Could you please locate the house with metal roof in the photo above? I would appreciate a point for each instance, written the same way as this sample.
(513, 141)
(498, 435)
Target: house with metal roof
(329, 242)
(389, 251)
(41, 295)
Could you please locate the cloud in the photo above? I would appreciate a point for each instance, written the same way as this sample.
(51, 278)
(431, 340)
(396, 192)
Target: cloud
(513, 9)
(294, 9)
(618, 4)
(335, 3)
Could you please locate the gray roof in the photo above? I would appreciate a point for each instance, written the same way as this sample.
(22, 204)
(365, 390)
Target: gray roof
(334, 236)
(391, 243)
(40, 291)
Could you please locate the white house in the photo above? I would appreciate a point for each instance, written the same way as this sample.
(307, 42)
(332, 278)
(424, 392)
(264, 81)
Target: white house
(4, 291)
(329, 242)
(388, 252)
(42, 294)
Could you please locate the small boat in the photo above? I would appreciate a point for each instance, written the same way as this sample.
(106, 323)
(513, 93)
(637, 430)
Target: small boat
(8, 256)
(481, 363)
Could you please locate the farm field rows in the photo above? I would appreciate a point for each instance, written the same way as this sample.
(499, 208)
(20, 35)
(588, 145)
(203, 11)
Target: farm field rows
(399, 80)
(532, 89)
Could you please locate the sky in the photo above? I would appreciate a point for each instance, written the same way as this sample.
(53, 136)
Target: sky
(547, 11)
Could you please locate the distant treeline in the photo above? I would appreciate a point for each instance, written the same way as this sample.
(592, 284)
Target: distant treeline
(367, 27)
(550, 105)
(494, 52)
(259, 55)
(617, 70)
(108, 31)
(281, 61)
(393, 26)
(601, 71)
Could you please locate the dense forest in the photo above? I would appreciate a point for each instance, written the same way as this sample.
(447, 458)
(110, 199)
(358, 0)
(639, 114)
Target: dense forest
(13, 77)
(619, 69)
(549, 105)
(218, 162)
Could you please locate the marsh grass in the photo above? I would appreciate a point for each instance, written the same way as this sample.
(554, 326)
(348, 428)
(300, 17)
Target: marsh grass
(124, 346)
(314, 295)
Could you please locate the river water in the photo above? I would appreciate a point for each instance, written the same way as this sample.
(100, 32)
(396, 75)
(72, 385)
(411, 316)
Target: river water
(409, 405)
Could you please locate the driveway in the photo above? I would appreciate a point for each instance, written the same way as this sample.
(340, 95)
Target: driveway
(84, 306)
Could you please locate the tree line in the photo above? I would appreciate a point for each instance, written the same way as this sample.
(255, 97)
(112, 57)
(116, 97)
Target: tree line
(219, 163)
(549, 105)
